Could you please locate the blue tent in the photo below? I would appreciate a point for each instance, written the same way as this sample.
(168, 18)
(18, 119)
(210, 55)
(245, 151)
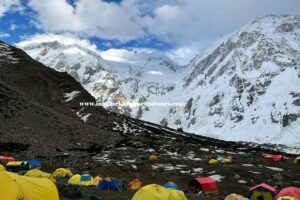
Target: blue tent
(171, 185)
(105, 185)
(34, 163)
(86, 177)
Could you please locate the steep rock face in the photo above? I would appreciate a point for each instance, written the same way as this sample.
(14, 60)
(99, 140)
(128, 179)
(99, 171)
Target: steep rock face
(246, 87)
(38, 108)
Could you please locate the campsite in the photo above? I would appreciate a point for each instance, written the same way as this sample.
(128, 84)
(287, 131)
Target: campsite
(149, 100)
(121, 170)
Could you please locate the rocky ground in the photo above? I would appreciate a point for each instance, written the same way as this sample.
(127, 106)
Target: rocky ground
(181, 157)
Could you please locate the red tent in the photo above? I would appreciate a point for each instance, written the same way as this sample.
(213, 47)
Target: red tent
(289, 191)
(6, 159)
(274, 158)
(205, 184)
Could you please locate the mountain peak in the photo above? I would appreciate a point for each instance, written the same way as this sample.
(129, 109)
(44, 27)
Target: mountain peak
(236, 90)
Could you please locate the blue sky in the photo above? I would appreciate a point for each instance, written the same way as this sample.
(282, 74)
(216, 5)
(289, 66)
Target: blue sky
(181, 26)
(18, 25)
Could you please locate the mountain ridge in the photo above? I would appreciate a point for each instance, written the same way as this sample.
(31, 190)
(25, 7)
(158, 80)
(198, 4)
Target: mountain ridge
(249, 64)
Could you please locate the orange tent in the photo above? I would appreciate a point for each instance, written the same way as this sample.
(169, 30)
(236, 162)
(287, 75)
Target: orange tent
(135, 184)
(153, 158)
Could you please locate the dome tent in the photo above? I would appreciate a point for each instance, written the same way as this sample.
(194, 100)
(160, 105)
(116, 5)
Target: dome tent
(36, 173)
(13, 186)
(62, 172)
(158, 192)
(106, 185)
(235, 197)
(85, 180)
(289, 193)
(171, 185)
(135, 184)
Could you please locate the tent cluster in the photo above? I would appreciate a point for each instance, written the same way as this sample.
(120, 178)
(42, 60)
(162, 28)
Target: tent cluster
(220, 160)
(266, 192)
(15, 166)
(36, 184)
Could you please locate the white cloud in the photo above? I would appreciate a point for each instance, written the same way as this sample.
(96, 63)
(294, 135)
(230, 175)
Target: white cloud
(188, 25)
(13, 27)
(179, 22)
(4, 35)
(94, 18)
(186, 22)
(63, 39)
(6, 5)
(183, 55)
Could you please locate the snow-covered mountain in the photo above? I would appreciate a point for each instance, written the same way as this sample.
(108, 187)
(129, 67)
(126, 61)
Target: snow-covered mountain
(125, 77)
(145, 76)
(245, 87)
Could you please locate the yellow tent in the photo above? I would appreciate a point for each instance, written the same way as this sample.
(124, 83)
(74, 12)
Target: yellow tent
(226, 161)
(13, 187)
(286, 198)
(235, 197)
(261, 194)
(153, 158)
(16, 166)
(297, 159)
(213, 161)
(158, 192)
(177, 194)
(15, 163)
(2, 168)
(62, 172)
(85, 180)
(36, 173)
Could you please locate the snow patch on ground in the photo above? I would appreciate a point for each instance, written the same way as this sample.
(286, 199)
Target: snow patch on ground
(71, 95)
(275, 168)
(217, 177)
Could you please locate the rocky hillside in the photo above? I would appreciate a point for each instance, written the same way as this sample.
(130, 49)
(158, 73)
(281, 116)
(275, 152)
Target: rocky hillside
(38, 113)
(245, 87)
